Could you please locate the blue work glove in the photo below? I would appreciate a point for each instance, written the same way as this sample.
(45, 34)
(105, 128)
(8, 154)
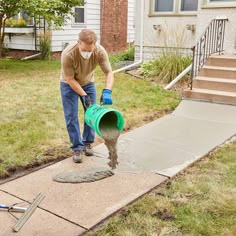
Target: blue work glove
(86, 101)
(106, 98)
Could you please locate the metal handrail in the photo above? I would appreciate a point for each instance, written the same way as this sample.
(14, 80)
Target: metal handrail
(211, 41)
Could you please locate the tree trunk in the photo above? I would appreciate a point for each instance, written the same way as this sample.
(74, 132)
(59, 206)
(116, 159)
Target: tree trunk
(1, 48)
(2, 34)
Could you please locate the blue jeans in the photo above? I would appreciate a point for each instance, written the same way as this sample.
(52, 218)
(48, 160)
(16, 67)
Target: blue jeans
(70, 106)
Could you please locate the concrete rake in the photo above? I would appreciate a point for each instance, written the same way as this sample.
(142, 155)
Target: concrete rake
(27, 212)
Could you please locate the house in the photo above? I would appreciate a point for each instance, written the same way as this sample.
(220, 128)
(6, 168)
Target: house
(112, 20)
(172, 24)
(204, 29)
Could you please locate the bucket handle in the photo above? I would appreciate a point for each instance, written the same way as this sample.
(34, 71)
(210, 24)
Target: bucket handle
(101, 103)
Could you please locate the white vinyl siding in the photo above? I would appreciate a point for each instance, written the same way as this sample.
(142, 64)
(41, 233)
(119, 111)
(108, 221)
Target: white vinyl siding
(130, 21)
(25, 42)
(71, 30)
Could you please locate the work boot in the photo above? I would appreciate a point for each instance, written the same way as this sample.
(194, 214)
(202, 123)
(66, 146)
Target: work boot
(77, 156)
(88, 150)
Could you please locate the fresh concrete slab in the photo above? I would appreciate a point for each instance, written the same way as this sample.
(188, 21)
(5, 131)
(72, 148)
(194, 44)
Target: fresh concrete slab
(41, 223)
(206, 111)
(85, 204)
(168, 145)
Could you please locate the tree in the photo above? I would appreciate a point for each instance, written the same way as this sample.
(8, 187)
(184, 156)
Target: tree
(55, 12)
(7, 10)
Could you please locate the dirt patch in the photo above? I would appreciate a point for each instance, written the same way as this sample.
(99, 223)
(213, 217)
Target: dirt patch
(178, 87)
(56, 56)
(19, 54)
(163, 214)
(50, 156)
(136, 73)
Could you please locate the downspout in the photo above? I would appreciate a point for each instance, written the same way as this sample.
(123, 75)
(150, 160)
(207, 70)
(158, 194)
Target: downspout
(182, 74)
(141, 44)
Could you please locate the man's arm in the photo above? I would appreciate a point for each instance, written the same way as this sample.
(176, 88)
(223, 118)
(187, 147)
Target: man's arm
(109, 80)
(75, 85)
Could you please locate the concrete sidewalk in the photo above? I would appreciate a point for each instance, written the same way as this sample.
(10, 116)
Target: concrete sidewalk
(148, 156)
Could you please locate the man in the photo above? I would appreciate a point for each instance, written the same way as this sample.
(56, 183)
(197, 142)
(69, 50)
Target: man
(79, 61)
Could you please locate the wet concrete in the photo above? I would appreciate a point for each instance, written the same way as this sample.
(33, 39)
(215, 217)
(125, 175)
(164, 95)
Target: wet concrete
(79, 176)
(110, 133)
(168, 145)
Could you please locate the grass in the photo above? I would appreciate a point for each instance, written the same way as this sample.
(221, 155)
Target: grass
(32, 128)
(200, 201)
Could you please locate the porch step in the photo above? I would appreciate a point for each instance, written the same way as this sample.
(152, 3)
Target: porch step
(222, 60)
(211, 95)
(211, 83)
(218, 72)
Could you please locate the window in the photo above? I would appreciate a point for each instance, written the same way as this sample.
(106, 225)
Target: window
(222, 0)
(164, 5)
(79, 15)
(189, 5)
(171, 7)
(29, 20)
(219, 3)
(20, 20)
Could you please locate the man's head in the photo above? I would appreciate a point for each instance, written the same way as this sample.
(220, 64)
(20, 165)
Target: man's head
(86, 42)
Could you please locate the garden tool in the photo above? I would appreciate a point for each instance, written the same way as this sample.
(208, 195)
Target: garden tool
(27, 212)
(13, 208)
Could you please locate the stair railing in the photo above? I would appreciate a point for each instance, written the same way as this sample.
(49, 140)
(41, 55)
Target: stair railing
(211, 41)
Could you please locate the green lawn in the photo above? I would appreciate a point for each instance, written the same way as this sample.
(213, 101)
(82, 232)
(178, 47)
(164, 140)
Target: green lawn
(200, 201)
(32, 128)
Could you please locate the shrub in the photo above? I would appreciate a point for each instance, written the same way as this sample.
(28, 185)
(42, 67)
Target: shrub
(16, 22)
(128, 55)
(166, 67)
(148, 68)
(45, 45)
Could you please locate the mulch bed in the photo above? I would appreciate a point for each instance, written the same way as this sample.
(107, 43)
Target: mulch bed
(19, 54)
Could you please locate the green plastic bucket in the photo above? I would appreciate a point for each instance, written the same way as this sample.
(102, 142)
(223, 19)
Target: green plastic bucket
(97, 116)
